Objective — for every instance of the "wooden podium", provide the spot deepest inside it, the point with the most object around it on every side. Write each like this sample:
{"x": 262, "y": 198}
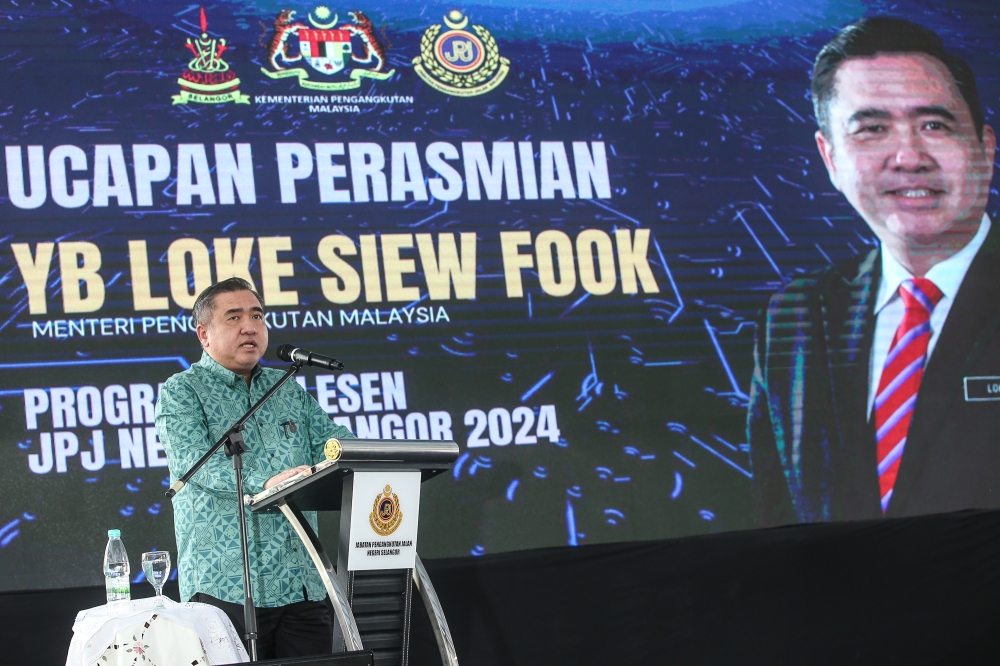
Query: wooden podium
{"x": 371, "y": 586}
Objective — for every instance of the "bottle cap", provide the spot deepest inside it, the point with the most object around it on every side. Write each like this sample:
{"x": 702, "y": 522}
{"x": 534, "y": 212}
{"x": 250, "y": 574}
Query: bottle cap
{"x": 114, "y": 533}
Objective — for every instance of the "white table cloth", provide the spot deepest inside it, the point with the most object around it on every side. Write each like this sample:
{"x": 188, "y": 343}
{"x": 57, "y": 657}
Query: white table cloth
{"x": 187, "y": 634}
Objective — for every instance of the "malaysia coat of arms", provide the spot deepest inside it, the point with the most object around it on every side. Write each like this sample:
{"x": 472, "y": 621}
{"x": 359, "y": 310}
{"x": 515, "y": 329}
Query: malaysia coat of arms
{"x": 208, "y": 79}
{"x": 326, "y": 55}
{"x": 458, "y": 61}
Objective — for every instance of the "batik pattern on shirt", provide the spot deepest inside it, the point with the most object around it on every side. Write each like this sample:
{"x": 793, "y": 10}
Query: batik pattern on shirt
{"x": 194, "y": 409}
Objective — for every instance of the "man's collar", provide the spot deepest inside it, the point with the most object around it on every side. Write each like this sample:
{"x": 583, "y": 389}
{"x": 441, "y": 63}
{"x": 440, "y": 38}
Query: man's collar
{"x": 947, "y": 275}
{"x": 227, "y": 375}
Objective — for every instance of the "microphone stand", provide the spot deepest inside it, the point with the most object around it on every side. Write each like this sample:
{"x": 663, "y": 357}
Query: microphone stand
{"x": 235, "y": 447}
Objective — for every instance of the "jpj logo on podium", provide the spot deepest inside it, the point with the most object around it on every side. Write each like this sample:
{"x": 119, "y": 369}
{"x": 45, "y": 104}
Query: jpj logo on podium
{"x": 385, "y": 516}
{"x": 379, "y": 536}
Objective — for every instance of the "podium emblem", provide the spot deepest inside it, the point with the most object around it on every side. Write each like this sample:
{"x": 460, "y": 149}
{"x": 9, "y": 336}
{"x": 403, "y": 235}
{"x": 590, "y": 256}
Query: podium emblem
{"x": 332, "y": 449}
{"x": 385, "y": 516}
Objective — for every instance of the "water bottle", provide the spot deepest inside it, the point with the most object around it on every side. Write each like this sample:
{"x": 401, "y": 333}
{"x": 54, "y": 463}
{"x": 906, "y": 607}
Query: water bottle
{"x": 116, "y": 571}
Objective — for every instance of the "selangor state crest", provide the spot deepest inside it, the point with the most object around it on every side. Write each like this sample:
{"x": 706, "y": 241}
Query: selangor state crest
{"x": 208, "y": 79}
{"x": 460, "y": 62}
{"x": 325, "y": 55}
{"x": 385, "y": 516}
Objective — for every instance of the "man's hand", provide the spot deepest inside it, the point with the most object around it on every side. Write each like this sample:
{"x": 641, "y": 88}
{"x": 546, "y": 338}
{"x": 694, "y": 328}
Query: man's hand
{"x": 284, "y": 476}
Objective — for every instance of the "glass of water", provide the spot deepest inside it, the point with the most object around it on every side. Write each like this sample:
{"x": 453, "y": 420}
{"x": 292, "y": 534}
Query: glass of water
{"x": 156, "y": 566}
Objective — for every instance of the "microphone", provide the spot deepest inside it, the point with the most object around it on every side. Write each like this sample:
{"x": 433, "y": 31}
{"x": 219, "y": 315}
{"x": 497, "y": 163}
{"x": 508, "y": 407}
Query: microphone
{"x": 294, "y": 354}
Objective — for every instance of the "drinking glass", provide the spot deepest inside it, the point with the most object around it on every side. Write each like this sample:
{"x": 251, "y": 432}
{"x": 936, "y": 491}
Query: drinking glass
{"x": 156, "y": 566}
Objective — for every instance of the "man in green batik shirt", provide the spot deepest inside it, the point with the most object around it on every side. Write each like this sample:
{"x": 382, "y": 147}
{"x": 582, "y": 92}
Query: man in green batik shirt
{"x": 287, "y": 435}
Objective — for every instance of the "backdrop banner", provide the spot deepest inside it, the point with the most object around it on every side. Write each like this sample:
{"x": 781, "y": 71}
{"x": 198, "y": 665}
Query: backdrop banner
{"x": 542, "y": 229}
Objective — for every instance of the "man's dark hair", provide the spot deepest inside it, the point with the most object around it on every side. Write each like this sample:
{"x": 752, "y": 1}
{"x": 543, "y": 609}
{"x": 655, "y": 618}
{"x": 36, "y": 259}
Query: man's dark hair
{"x": 204, "y": 305}
{"x": 882, "y": 34}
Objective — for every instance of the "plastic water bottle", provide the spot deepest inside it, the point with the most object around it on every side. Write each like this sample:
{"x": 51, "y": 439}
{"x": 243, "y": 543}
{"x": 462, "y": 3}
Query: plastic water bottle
{"x": 116, "y": 572}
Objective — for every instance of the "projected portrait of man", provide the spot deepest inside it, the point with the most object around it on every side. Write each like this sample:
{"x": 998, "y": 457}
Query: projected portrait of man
{"x": 875, "y": 382}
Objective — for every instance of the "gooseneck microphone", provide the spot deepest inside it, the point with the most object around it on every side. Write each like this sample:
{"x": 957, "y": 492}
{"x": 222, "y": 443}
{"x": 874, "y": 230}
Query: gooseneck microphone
{"x": 294, "y": 354}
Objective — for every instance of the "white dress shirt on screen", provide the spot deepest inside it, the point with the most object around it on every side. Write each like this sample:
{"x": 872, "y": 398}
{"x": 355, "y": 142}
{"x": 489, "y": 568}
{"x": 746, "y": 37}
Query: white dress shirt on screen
{"x": 946, "y": 275}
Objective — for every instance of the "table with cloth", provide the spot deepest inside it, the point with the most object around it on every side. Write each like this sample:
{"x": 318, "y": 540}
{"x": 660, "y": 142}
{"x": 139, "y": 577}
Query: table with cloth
{"x": 188, "y": 634}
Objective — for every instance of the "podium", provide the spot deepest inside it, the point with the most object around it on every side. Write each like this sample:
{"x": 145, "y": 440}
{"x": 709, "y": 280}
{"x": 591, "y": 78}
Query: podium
{"x": 371, "y": 586}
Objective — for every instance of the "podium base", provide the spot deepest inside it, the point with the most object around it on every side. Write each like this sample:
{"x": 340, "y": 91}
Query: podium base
{"x": 381, "y": 602}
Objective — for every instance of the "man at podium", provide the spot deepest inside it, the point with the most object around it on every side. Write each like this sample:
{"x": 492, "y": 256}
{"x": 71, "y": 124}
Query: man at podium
{"x": 287, "y": 435}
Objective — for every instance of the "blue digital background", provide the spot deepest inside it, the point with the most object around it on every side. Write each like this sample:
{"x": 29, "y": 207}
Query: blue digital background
{"x": 704, "y": 107}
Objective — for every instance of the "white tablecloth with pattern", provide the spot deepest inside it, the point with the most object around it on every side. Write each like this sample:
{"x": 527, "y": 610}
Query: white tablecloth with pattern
{"x": 176, "y": 635}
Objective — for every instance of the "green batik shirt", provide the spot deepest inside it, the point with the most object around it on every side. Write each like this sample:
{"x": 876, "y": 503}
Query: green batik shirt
{"x": 194, "y": 409}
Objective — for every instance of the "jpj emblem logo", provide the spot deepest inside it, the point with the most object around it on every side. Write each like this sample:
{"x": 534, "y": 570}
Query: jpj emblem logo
{"x": 338, "y": 56}
{"x": 460, "y": 62}
{"x": 385, "y": 516}
{"x": 208, "y": 79}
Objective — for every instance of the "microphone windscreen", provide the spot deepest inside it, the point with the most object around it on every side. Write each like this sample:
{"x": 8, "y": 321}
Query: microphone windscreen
{"x": 284, "y": 352}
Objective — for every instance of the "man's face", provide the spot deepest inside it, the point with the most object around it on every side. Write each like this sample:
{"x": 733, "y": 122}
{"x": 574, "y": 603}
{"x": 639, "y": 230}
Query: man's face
{"x": 903, "y": 149}
{"x": 236, "y": 337}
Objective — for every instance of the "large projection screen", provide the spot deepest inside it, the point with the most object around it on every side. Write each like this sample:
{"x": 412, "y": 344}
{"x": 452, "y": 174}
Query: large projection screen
{"x": 545, "y": 230}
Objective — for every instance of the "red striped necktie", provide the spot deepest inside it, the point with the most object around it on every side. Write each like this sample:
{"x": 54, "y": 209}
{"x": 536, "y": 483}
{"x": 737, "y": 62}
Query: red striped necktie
{"x": 900, "y": 382}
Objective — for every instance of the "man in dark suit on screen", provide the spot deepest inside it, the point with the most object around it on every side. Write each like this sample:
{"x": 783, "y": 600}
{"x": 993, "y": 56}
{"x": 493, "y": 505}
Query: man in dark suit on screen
{"x": 876, "y": 382}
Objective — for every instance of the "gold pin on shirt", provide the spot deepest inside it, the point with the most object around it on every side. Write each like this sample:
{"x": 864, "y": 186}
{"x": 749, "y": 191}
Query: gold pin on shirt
{"x": 332, "y": 449}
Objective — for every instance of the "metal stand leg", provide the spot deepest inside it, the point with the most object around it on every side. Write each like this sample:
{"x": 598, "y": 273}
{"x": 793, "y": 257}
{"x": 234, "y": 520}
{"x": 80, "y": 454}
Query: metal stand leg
{"x": 235, "y": 448}
{"x": 352, "y": 637}
{"x": 436, "y": 614}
